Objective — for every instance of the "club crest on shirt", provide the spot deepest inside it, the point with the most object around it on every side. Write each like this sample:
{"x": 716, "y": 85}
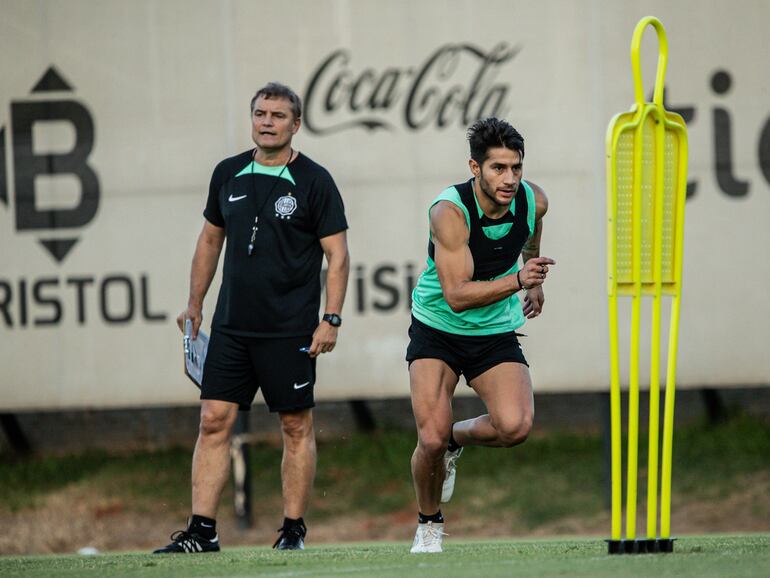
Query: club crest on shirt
{"x": 285, "y": 206}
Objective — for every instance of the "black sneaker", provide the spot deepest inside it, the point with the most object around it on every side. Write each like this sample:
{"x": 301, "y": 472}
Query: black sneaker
{"x": 291, "y": 538}
{"x": 183, "y": 542}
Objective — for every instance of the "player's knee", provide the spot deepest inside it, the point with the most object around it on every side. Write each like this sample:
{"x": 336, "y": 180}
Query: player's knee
{"x": 213, "y": 422}
{"x": 433, "y": 443}
{"x": 296, "y": 425}
{"x": 516, "y": 431}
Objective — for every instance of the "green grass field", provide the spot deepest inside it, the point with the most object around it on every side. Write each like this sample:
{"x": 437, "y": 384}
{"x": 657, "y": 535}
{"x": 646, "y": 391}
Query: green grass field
{"x": 550, "y": 477}
{"x": 551, "y": 486}
{"x": 696, "y": 556}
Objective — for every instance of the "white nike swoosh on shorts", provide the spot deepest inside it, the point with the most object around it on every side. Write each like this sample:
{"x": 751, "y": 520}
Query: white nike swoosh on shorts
{"x": 301, "y": 385}
{"x": 231, "y": 198}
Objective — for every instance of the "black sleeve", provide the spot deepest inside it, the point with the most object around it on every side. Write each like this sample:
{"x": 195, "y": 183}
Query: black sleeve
{"x": 213, "y": 212}
{"x": 328, "y": 208}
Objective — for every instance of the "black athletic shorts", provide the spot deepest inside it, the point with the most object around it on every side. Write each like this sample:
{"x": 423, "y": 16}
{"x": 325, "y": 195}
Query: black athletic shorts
{"x": 236, "y": 367}
{"x": 469, "y": 355}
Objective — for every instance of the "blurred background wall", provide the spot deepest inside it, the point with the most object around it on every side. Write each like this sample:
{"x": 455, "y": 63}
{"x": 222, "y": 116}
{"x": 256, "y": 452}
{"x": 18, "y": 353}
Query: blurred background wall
{"x": 113, "y": 115}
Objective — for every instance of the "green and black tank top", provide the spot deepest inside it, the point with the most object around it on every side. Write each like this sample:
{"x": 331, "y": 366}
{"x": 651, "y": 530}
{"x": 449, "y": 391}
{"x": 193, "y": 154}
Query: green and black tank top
{"x": 495, "y": 245}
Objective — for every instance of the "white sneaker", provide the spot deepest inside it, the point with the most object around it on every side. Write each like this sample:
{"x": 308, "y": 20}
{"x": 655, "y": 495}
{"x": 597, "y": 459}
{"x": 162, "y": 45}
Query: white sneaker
{"x": 428, "y": 538}
{"x": 450, "y": 472}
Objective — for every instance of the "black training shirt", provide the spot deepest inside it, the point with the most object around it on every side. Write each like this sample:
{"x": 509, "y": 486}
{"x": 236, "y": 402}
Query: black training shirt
{"x": 277, "y": 290}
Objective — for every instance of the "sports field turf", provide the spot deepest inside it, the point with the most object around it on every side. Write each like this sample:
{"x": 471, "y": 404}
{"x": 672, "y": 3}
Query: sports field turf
{"x": 695, "y": 556}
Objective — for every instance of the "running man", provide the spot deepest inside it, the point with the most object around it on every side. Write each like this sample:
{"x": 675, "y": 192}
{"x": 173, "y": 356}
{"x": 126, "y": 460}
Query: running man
{"x": 465, "y": 313}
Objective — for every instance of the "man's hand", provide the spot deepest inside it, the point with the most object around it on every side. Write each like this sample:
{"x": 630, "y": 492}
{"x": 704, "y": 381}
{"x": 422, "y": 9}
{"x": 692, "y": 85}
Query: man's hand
{"x": 533, "y": 302}
{"x": 534, "y": 272}
{"x": 195, "y": 315}
{"x": 324, "y": 339}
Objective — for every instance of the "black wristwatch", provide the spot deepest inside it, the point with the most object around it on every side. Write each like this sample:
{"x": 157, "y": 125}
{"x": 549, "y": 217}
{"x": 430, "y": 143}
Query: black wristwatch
{"x": 332, "y": 319}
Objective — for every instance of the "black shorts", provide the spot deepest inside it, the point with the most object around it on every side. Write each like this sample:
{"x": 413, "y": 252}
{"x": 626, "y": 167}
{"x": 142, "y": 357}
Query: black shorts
{"x": 236, "y": 367}
{"x": 469, "y": 355}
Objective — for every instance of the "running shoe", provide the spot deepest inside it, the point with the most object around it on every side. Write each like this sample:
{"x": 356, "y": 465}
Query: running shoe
{"x": 450, "y": 472}
{"x": 184, "y": 542}
{"x": 428, "y": 538}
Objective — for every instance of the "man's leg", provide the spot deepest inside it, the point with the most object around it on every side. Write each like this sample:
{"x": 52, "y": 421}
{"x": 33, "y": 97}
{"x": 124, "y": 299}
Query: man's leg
{"x": 210, "y": 470}
{"x": 297, "y": 475}
{"x": 432, "y": 385}
{"x": 211, "y": 460}
{"x": 506, "y": 390}
{"x": 299, "y": 461}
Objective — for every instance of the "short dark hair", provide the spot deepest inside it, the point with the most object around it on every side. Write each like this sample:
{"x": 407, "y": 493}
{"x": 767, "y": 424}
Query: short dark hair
{"x": 492, "y": 132}
{"x": 278, "y": 90}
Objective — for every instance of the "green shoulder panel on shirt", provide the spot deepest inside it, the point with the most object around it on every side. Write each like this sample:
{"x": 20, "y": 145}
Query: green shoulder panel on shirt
{"x": 531, "y": 208}
{"x": 254, "y": 168}
{"x": 453, "y": 196}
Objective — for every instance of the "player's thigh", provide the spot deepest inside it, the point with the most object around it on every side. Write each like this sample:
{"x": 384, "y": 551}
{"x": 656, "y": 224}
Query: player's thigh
{"x": 506, "y": 390}
{"x": 285, "y": 374}
{"x": 432, "y": 383}
{"x": 228, "y": 374}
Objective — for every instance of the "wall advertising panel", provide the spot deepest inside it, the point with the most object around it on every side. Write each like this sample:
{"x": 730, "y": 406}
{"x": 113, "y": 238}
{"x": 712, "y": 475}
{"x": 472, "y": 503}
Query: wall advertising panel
{"x": 112, "y": 116}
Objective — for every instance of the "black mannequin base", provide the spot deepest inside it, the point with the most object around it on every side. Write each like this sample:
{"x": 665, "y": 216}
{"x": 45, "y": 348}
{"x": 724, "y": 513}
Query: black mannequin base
{"x": 641, "y": 546}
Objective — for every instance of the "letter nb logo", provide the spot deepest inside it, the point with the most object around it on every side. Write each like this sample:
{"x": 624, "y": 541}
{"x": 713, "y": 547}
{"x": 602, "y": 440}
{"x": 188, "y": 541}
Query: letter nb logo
{"x": 31, "y": 164}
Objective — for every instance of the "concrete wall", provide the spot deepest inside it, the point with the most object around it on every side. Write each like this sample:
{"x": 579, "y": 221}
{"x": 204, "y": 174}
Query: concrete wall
{"x": 113, "y": 115}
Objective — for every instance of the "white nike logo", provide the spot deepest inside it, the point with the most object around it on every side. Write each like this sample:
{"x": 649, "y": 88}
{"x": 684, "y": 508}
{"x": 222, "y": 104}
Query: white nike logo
{"x": 301, "y": 385}
{"x": 231, "y": 198}
{"x": 206, "y": 525}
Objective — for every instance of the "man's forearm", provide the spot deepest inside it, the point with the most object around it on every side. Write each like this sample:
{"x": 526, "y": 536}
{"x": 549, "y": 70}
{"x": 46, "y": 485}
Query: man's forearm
{"x": 531, "y": 248}
{"x": 530, "y": 252}
{"x": 204, "y": 266}
{"x": 473, "y": 294}
{"x": 337, "y": 282}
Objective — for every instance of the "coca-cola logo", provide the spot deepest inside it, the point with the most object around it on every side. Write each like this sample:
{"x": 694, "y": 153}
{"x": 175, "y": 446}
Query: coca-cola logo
{"x": 455, "y": 86}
